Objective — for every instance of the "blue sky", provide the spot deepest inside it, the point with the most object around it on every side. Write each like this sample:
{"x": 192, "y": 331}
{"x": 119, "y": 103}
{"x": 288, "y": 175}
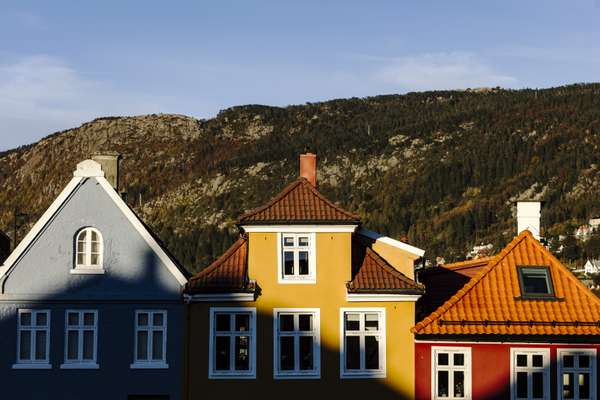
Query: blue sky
{"x": 66, "y": 62}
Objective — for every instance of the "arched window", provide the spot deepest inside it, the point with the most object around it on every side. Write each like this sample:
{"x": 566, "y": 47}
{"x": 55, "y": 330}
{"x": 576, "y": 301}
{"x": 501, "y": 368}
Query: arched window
{"x": 89, "y": 249}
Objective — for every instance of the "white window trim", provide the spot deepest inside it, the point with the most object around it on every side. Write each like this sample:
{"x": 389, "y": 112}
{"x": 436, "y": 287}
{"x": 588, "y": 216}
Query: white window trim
{"x": 150, "y": 363}
{"x": 33, "y": 364}
{"x": 450, "y": 349}
{"x": 314, "y": 374}
{"x": 80, "y": 363}
{"x": 251, "y": 373}
{"x": 513, "y": 372}
{"x": 381, "y": 373}
{"x": 87, "y": 267}
{"x": 311, "y": 278}
{"x": 559, "y": 371}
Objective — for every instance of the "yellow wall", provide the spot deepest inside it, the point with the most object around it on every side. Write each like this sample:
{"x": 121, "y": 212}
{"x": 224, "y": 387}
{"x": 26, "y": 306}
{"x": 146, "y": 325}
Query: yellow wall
{"x": 329, "y": 294}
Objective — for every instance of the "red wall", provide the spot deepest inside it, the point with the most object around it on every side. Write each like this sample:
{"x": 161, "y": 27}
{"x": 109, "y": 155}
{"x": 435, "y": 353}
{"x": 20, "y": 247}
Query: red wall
{"x": 490, "y": 367}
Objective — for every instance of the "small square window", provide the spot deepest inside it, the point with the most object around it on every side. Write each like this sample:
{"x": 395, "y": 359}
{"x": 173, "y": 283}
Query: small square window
{"x": 535, "y": 282}
{"x": 296, "y": 259}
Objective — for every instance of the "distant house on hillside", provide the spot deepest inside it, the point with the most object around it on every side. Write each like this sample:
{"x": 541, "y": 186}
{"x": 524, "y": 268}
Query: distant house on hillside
{"x": 482, "y": 250}
{"x": 592, "y": 267}
{"x": 583, "y": 232}
{"x": 4, "y": 246}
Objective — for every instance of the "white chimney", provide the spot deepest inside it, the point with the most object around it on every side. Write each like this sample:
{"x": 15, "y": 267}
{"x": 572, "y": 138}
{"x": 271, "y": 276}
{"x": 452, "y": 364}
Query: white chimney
{"x": 528, "y": 217}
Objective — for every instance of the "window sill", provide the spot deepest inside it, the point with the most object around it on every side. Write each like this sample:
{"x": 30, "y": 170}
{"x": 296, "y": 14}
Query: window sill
{"x": 297, "y": 281}
{"x": 312, "y": 375}
{"x": 31, "y": 366}
{"x": 85, "y": 271}
{"x": 216, "y": 375}
{"x": 74, "y": 365}
{"x": 363, "y": 375}
{"x": 149, "y": 365}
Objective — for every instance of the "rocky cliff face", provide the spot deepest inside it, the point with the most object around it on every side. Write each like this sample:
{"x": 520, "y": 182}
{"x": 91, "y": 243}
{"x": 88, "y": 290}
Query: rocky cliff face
{"x": 440, "y": 168}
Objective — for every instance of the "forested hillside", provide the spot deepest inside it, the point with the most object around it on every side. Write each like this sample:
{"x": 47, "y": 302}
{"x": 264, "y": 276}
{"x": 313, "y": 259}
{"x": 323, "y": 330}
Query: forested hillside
{"x": 440, "y": 168}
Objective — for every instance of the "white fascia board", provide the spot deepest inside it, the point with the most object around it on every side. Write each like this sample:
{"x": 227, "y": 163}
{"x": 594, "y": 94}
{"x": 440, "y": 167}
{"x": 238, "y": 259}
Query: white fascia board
{"x": 217, "y": 297}
{"x": 299, "y": 228}
{"x": 353, "y": 297}
{"x": 39, "y": 225}
{"x": 158, "y": 250}
{"x": 392, "y": 242}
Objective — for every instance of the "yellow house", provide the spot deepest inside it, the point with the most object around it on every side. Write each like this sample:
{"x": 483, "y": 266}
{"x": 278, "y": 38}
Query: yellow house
{"x": 306, "y": 299}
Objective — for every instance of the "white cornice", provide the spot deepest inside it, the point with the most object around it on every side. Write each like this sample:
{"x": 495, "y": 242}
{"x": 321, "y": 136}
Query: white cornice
{"x": 299, "y": 228}
{"x": 353, "y": 297}
{"x": 218, "y": 297}
{"x": 392, "y": 242}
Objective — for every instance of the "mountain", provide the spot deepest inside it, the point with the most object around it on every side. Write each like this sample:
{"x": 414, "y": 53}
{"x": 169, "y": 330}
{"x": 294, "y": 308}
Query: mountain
{"x": 441, "y": 169}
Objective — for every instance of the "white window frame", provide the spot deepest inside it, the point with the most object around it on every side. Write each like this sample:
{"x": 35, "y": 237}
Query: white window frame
{"x": 32, "y": 363}
{"x": 87, "y": 267}
{"x": 450, "y": 350}
{"x": 560, "y": 369}
{"x": 297, "y": 373}
{"x": 80, "y": 328}
{"x": 311, "y": 278}
{"x": 150, "y": 363}
{"x": 363, "y": 373}
{"x": 545, "y": 352}
{"x": 251, "y": 372}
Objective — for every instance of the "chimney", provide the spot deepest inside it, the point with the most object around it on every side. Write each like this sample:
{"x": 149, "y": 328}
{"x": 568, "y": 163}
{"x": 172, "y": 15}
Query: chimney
{"x": 308, "y": 167}
{"x": 110, "y": 165}
{"x": 528, "y": 217}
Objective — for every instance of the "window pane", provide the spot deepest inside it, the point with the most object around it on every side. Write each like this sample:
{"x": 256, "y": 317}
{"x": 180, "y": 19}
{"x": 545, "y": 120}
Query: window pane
{"x": 157, "y": 319}
{"x": 303, "y": 241}
{"x": 371, "y": 322}
{"x": 584, "y": 386}
{"x": 25, "y": 319}
{"x": 352, "y": 352}
{"x": 305, "y": 322}
{"x": 94, "y": 259}
{"x": 80, "y": 259}
{"x": 442, "y": 359}
{"x": 288, "y": 241}
{"x": 142, "y": 319}
{"x": 303, "y": 262}
{"x": 584, "y": 361}
{"x": 521, "y": 360}
{"x": 306, "y": 353}
{"x": 25, "y": 345}
{"x": 352, "y": 322}
{"x": 537, "y": 383}
{"x": 459, "y": 384}
{"x": 242, "y": 353}
{"x": 95, "y": 246}
{"x": 286, "y": 353}
{"x": 568, "y": 361}
{"x": 535, "y": 280}
{"x": 371, "y": 352}
{"x": 537, "y": 360}
{"x": 567, "y": 381}
{"x": 459, "y": 359}
{"x": 88, "y": 319}
{"x": 157, "y": 345}
{"x": 286, "y": 322}
{"x": 94, "y": 236}
{"x": 142, "y": 345}
{"x": 442, "y": 381}
{"x": 288, "y": 263}
{"x": 40, "y": 345}
{"x": 73, "y": 318}
{"x": 223, "y": 322}
{"x": 222, "y": 353}
{"x": 72, "y": 345}
{"x": 88, "y": 345}
{"x": 522, "y": 385}
{"x": 242, "y": 322}
{"x": 41, "y": 319}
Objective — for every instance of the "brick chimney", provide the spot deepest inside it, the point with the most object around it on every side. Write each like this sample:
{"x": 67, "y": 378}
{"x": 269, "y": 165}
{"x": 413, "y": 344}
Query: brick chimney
{"x": 308, "y": 167}
{"x": 528, "y": 217}
{"x": 110, "y": 165}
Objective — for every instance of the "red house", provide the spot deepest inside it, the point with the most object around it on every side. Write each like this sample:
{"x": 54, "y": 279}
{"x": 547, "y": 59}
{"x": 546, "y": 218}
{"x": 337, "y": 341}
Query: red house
{"x": 518, "y": 325}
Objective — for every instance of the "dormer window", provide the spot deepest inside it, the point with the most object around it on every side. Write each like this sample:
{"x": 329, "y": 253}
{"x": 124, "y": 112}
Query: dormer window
{"x": 89, "y": 248}
{"x": 297, "y": 258}
{"x": 535, "y": 282}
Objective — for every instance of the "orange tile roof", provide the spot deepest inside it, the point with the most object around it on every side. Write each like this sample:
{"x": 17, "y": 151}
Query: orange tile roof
{"x": 229, "y": 273}
{"x": 491, "y": 304}
{"x": 372, "y": 274}
{"x": 299, "y": 203}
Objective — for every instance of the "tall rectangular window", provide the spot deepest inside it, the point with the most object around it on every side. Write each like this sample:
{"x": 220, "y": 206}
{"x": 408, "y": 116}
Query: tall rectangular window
{"x": 296, "y": 343}
{"x": 576, "y": 373}
{"x": 530, "y": 373}
{"x": 297, "y": 258}
{"x": 150, "y": 339}
{"x": 232, "y": 342}
{"x": 362, "y": 343}
{"x": 33, "y": 338}
{"x": 451, "y": 373}
{"x": 81, "y": 337}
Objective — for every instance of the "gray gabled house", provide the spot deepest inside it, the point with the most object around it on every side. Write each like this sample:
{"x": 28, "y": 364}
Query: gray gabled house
{"x": 90, "y": 302}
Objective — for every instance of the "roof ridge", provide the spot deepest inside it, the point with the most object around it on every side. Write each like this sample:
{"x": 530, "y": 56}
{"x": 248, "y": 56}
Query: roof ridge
{"x": 326, "y": 200}
{"x": 466, "y": 263}
{"x": 219, "y": 261}
{"x": 272, "y": 201}
{"x": 462, "y": 292}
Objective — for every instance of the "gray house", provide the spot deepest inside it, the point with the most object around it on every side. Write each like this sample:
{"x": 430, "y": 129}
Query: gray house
{"x": 90, "y": 302}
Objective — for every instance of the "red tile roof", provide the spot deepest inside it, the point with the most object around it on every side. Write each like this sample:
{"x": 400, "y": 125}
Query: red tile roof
{"x": 491, "y": 302}
{"x": 229, "y": 273}
{"x": 299, "y": 203}
{"x": 372, "y": 274}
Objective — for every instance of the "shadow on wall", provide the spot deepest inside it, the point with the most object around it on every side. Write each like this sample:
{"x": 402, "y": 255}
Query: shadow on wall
{"x": 115, "y": 297}
{"x": 441, "y": 286}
